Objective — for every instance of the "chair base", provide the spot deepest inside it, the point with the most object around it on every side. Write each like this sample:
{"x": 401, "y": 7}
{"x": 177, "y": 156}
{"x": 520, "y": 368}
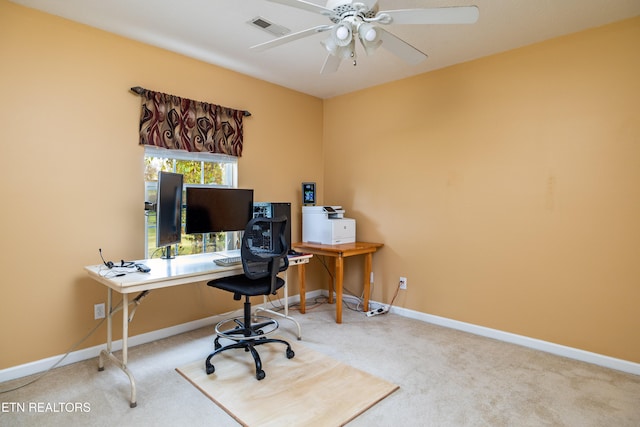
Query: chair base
{"x": 248, "y": 345}
{"x": 246, "y": 335}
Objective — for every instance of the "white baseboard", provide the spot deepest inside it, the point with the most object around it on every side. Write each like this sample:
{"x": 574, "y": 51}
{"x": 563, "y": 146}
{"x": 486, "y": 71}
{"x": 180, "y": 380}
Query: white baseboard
{"x": 560, "y": 350}
{"x": 536, "y": 344}
{"x": 548, "y": 347}
{"x": 43, "y": 365}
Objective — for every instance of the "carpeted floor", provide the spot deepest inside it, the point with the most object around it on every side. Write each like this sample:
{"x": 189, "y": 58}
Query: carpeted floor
{"x": 446, "y": 378}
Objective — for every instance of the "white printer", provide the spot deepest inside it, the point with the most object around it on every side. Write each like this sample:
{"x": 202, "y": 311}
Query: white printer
{"x": 327, "y": 225}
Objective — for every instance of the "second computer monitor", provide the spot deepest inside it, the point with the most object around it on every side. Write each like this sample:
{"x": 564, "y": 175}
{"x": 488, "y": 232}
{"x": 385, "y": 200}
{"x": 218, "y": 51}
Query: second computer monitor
{"x": 212, "y": 210}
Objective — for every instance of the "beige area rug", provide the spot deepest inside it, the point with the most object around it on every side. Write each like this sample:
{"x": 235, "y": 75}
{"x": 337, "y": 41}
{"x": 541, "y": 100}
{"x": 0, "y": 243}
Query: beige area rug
{"x": 309, "y": 390}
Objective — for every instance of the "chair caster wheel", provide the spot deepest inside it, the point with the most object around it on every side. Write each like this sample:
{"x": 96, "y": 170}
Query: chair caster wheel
{"x": 260, "y": 375}
{"x": 290, "y": 353}
{"x": 210, "y": 369}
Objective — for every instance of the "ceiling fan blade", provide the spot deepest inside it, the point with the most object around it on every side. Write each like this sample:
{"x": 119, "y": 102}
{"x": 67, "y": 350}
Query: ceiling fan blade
{"x": 331, "y": 64}
{"x": 401, "y": 48}
{"x": 305, "y": 5}
{"x": 290, "y": 37}
{"x": 437, "y": 15}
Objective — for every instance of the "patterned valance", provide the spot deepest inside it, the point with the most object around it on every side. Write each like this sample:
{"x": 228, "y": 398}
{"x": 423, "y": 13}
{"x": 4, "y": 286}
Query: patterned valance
{"x": 176, "y": 123}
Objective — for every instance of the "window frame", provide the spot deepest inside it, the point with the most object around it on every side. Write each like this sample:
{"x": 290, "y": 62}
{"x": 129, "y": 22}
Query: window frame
{"x": 229, "y": 165}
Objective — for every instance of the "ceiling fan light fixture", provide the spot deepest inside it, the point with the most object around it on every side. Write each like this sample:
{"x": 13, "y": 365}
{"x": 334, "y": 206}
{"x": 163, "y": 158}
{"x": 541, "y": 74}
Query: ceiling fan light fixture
{"x": 343, "y": 52}
{"x": 368, "y": 32}
{"x": 341, "y": 35}
{"x": 347, "y": 52}
{"x": 329, "y": 45}
{"x": 369, "y": 37}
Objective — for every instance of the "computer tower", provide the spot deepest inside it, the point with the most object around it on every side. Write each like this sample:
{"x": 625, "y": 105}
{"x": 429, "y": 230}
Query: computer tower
{"x": 274, "y": 210}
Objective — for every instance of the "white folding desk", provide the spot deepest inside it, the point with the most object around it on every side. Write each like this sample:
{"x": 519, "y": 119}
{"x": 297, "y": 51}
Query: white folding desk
{"x": 164, "y": 273}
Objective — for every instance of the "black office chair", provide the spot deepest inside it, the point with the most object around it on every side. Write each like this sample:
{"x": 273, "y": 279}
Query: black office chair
{"x": 264, "y": 255}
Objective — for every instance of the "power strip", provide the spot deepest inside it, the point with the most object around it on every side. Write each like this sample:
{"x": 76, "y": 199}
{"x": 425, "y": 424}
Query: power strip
{"x": 382, "y": 310}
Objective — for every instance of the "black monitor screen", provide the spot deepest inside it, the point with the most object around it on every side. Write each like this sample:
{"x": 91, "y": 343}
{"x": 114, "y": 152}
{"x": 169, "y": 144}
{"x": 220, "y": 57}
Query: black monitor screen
{"x": 169, "y": 209}
{"x": 211, "y": 210}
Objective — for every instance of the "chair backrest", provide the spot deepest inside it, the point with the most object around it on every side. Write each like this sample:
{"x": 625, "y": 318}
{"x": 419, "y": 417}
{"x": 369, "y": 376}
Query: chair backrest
{"x": 264, "y": 249}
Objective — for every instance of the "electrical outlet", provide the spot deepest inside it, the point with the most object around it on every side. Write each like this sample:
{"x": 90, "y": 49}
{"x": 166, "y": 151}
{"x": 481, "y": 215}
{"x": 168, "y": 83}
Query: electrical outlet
{"x": 403, "y": 283}
{"x": 98, "y": 311}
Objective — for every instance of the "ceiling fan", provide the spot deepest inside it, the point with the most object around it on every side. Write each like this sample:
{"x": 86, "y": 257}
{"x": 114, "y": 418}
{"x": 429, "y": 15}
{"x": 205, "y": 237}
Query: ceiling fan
{"x": 361, "y": 19}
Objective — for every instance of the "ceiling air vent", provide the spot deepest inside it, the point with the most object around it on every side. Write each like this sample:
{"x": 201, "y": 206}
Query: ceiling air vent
{"x": 269, "y": 27}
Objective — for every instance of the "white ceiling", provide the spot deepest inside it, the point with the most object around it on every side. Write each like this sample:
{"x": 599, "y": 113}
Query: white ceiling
{"x": 216, "y": 31}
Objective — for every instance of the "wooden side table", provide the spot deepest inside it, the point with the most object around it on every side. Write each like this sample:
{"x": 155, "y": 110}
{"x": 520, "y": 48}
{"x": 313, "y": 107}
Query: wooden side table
{"x": 338, "y": 253}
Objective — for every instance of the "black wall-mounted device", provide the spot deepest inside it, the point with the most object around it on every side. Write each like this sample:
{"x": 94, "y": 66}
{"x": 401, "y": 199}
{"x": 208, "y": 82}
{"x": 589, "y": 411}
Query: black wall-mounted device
{"x": 308, "y": 193}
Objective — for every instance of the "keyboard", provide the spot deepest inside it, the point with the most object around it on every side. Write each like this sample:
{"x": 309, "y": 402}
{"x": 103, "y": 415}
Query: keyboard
{"x": 229, "y": 261}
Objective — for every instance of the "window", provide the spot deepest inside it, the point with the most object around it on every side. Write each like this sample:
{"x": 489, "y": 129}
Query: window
{"x": 198, "y": 169}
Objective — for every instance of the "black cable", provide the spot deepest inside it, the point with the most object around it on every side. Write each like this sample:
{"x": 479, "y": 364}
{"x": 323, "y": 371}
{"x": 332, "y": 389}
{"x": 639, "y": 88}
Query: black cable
{"x": 394, "y": 296}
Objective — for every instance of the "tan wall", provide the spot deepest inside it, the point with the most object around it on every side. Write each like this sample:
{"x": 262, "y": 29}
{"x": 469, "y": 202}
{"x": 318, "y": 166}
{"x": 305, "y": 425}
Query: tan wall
{"x": 507, "y": 189}
{"x": 71, "y": 175}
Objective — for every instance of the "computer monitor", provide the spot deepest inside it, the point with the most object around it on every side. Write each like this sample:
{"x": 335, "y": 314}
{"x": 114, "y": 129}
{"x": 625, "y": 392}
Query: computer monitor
{"x": 212, "y": 210}
{"x": 169, "y": 211}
